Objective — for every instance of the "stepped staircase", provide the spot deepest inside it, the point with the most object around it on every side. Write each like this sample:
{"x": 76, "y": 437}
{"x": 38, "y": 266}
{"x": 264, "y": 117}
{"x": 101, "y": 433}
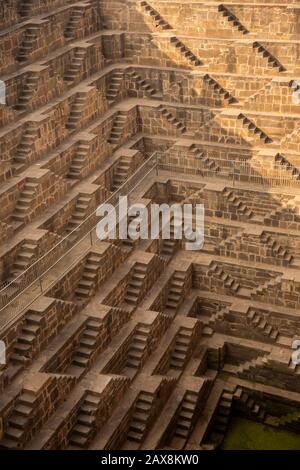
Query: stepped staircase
{"x": 114, "y": 87}
{"x": 117, "y": 128}
{"x": 229, "y": 282}
{"x": 144, "y": 84}
{"x": 135, "y": 284}
{"x": 141, "y": 416}
{"x": 79, "y": 161}
{"x": 175, "y": 292}
{"x": 208, "y": 162}
{"x": 22, "y": 350}
{"x": 19, "y": 421}
{"x": 267, "y": 285}
{"x": 216, "y": 87}
{"x": 85, "y": 427}
{"x": 171, "y": 119}
{"x": 221, "y": 418}
{"x": 28, "y": 91}
{"x": 88, "y": 341}
{"x": 87, "y": 284}
{"x": 25, "y": 149}
{"x": 24, "y": 203}
{"x": 292, "y": 169}
{"x": 272, "y": 61}
{"x": 28, "y": 44}
{"x": 24, "y": 258}
{"x": 74, "y": 24}
{"x": 80, "y": 213}
{"x": 232, "y": 19}
{"x": 184, "y": 422}
{"x": 254, "y": 129}
{"x": 257, "y": 321}
{"x": 170, "y": 245}
{"x": 160, "y": 23}
{"x": 239, "y": 205}
{"x": 291, "y": 140}
{"x": 277, "y": 249}
{"x": 121, "y": 173}
{"x": 181, "y": 349}
{"x": 76, "y": 112}
{"x": 249, "y": 366}
{"x": 25, "y": 8}
{"x": 255, "y": 409}
{"x": 76, "y": 65}
{"x": 290, "y": 420}
{"x": 185, "y": 52}
{"x": 137, "y": 348}
{"x": 210, "y": 322}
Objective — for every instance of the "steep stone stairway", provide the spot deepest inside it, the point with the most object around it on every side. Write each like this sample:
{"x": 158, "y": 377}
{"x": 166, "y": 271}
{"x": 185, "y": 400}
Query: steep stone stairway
{"x": 80, "y": 213}
{"x": 141, "y": 416}
{"x": 29, "y": 88}
{"x": 85, "y": 427}
{"x": 137, "y": 348}
{"x": 160, "y": 23}
{"x": 216, "y": 87}
{"x": 221, "y": 418}
{"x": 135, "y": 284}
{"x": 26, "y": 339}
{"x": 25, "y": 149}
{"x": 76, "y": 112}
{"x": 19, "y": 421}
{"x": 258, "y": 322}
{"x": 185, "y": 52}
{"x": 229, "y": 282}
{"x": 200, "y": 156}
{"x": 78, "y": 161}
{"x": 117, "y": 129}
{"x": 171, "y": 118}
{"x": 28, "y": 44}
{"x": 114, "y": 88}
{"x": 292, "y": 169}
{"x": 277, "y": 249}
{"x": 73, "y": 24}
{"x": 121, "y": 173}
{"x": 26, "y": 255}
{"x": 88, "y": 343}
{"x": 184, "y": 420}
{"x": 75, "y": 66}
{"x": 88, "y": 280}
{"x": 25, "y": 201}
{"x": 272, "y": 61}
{"x": 232, "y": 19}
{"x": 253, "y": 129}
{"x": 181, "y": 349}
{"x": 238, "y": 204}
{"x": 144, "y": 84}
{"x": 175, "y": 292}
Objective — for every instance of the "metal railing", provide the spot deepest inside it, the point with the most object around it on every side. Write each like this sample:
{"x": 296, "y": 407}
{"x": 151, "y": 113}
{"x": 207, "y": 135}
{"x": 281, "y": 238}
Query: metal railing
{"x": 22, "y": 291}
{"x": 242, "y": 171}
{"x": 13, "y": 295}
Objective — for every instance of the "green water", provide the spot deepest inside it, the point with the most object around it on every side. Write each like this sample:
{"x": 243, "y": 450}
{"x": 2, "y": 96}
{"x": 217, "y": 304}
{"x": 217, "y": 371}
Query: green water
{"x": 244, "y": 434}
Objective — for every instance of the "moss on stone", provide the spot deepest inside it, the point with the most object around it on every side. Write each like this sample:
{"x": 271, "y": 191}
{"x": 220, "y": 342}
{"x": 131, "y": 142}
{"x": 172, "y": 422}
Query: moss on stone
{"x": 244, "y": 434}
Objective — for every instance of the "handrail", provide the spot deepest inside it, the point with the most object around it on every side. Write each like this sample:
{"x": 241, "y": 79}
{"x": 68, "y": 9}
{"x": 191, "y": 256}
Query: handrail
{"x": 84, "y": 227}
{"x": 35, "y": 273}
